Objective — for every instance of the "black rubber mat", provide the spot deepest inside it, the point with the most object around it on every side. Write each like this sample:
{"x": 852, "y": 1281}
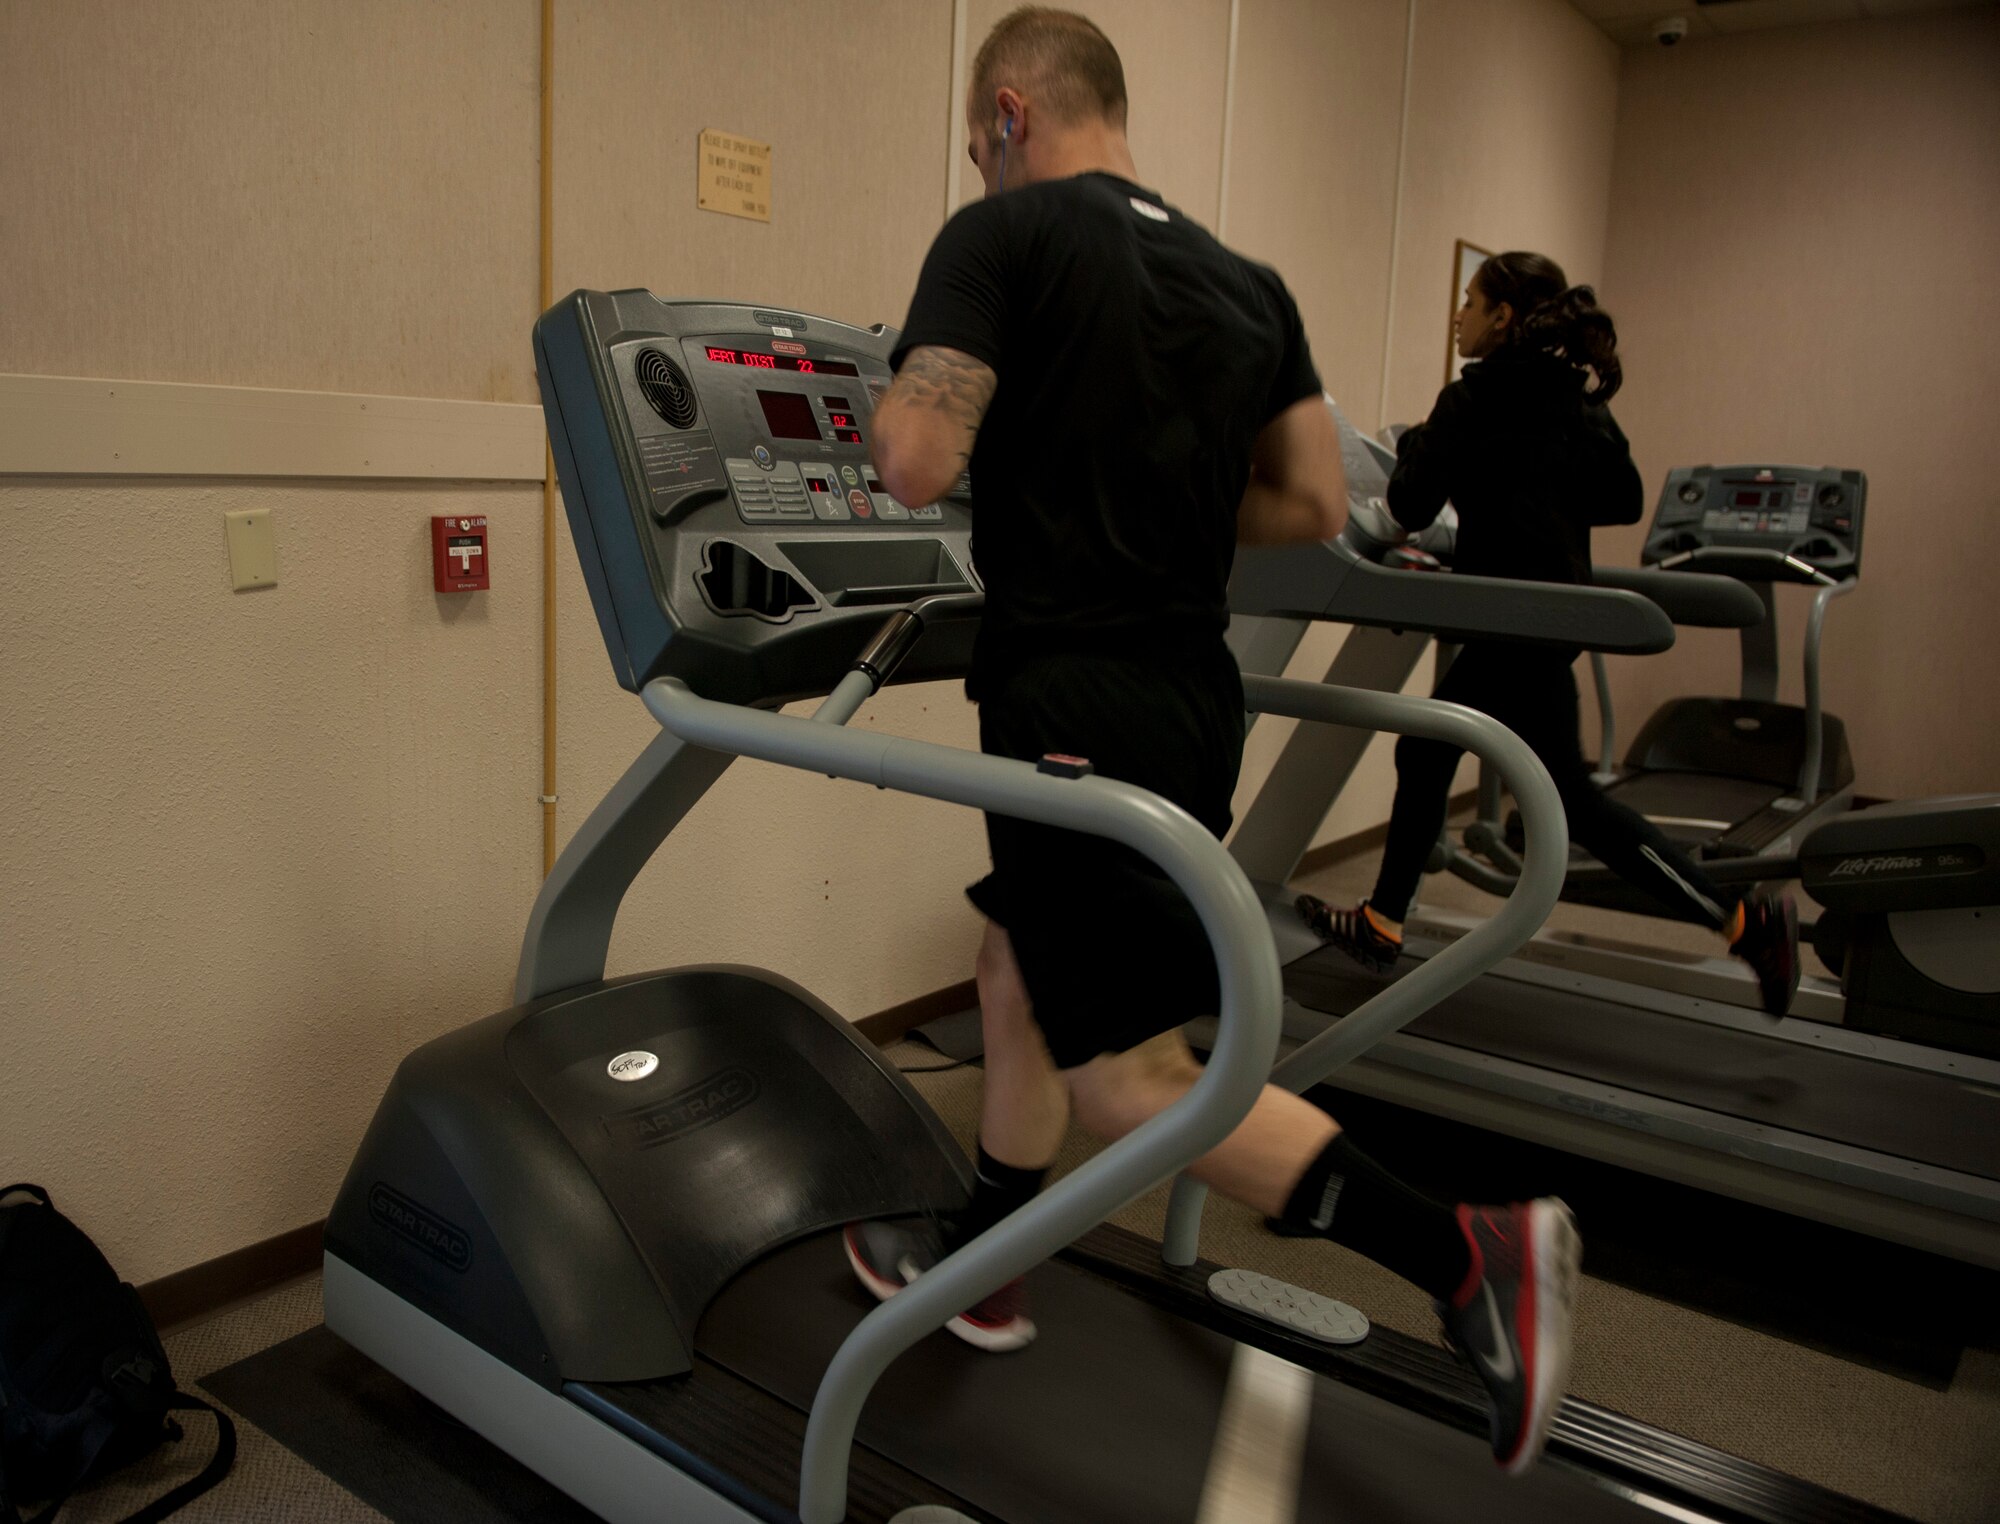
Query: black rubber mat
{"x": 402, "y": 1455}
{"x": 956, "y": 1036}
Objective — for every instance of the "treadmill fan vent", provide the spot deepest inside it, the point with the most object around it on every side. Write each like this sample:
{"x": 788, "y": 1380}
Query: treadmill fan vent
{"x": 666, "y": 389}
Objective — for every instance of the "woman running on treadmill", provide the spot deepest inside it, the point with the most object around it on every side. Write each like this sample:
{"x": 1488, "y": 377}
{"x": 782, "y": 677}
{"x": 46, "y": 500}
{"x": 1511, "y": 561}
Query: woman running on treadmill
{"x": 1134, "y": 400}
{"x": 1525, "y": 448}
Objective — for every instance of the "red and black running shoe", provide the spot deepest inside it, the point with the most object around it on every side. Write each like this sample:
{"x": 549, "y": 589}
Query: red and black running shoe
{"x": 887, "y": 1256}
{"x": 1770, "y": 945}
{"x": 1356, "y": 932}
{"x": 1511, "y": 1321}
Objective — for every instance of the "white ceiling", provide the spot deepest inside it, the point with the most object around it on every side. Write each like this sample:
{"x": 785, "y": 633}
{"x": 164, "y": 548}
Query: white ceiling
{"x": 1632, "y": 21}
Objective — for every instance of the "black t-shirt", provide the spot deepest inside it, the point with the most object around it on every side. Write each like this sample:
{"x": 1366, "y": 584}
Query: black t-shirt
{"x": 1529, "y": 462}
{"x": 1137, "y": 360}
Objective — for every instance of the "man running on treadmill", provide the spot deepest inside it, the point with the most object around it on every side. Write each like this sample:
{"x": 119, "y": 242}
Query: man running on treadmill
{"x": 1134, "y": 401}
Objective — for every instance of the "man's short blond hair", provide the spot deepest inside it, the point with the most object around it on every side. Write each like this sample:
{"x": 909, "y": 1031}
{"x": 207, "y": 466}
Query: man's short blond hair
{"x": 1057, "y": 57}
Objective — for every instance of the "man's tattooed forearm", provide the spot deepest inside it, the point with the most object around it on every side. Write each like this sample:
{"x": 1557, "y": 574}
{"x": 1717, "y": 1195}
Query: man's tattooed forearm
{"x": 947, "y": 381}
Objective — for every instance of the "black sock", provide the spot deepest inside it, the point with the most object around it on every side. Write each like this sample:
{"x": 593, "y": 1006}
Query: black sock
{"x": 998, "y": 1191}
{"x": 1346, "y": 1196}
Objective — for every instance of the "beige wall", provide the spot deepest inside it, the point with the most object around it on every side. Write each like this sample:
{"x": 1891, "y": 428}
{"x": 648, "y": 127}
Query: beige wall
{"x": 1176, "y": 68}
{"x": 1801, "y": 265}
{"x": 1513, "y": 105}
{"x": 257, "y": 844}
{"x": 855, "y": 893}
{"x": 1511, "y": 110}
{"x": 331, "y": 197}
{"x": 261, "y": 844}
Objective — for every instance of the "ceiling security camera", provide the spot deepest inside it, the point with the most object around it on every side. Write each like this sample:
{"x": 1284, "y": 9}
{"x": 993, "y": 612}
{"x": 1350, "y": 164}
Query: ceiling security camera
{"x": 1669, "y": 30}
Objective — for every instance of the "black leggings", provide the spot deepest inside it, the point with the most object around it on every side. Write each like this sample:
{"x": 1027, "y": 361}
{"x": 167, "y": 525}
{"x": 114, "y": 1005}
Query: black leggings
{"x": 1532, "y": 692}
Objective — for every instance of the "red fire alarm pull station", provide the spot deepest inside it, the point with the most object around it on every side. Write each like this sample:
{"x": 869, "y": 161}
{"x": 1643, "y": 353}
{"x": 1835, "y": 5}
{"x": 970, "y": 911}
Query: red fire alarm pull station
{"x": 461, "y": 560}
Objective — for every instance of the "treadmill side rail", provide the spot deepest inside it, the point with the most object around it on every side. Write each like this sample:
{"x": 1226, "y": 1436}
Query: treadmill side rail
{"x": 1399, "y": 1003}
{"x": 1247, "y": 965}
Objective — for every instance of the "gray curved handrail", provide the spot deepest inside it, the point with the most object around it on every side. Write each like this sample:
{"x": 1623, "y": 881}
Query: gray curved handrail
{"x": 1705, "y": 599}
{"x": 1607, "y": 721}
{"x": 1815, "y": 715}
{"x": 1801, "y": 570}
{"x": 1246, "y": 960}
{"x": 1396, "y": 1005}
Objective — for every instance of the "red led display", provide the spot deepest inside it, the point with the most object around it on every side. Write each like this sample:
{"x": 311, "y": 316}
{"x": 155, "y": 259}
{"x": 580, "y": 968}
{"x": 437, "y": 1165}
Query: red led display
{"x": 760, "y": 361}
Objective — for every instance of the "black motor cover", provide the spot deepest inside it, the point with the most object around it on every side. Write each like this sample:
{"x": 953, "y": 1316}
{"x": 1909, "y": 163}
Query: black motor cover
{"x": 576, "y": 1224}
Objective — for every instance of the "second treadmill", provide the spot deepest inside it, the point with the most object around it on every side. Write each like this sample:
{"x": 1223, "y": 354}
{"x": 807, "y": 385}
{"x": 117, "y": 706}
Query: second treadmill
{"x": 1680, "y": 1076}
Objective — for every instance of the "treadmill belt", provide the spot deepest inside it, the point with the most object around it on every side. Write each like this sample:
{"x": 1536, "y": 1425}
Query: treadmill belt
{"x": 1907, "y": 1113}
{"x": 1110, "y": 1416}
{"x": 1688, "y": 797}
{"x": 1113, "y": 1423}
{"x": 1368, "y": 1461}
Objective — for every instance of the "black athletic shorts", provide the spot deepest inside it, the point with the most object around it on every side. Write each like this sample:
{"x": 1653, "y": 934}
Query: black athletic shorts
{"x": 1112, "y": 951}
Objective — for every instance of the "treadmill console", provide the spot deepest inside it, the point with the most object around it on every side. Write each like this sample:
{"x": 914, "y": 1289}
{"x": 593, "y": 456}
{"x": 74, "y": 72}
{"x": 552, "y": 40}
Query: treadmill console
{"x": 1760, "y": 523}
{"x": 715, "y": 467}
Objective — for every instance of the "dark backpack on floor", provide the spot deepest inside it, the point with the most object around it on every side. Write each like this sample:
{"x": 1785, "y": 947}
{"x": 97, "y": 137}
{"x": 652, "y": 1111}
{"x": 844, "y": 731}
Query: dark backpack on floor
{"x": 84, "y": 1384}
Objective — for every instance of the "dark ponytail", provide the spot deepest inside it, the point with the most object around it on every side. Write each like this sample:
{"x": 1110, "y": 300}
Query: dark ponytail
{"x": 1553, "y": 316}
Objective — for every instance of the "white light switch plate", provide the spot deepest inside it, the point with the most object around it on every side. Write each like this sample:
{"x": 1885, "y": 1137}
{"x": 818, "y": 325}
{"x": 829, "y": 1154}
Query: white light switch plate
{"x": 253, "y": 548}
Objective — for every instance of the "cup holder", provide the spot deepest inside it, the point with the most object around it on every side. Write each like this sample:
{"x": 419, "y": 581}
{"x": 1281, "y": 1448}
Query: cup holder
{"x": 736, "y": 582}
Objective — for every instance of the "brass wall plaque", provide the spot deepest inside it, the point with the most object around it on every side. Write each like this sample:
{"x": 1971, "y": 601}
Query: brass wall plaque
{"x": 734, "y": 176}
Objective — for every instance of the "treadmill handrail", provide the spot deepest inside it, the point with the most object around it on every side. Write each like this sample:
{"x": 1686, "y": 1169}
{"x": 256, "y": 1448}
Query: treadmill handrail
{"x": 1809, "y": 765}
{"x": 1779, "y": 560}
{"x": 1247, "y": 963}
{"x": 1545, "y": 862}
{"x": 1700, "y": 600}
{"x": 1297, "y": 582}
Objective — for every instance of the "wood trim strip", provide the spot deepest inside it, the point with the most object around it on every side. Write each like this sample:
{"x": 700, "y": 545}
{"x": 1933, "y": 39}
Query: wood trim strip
{"x": 75, "y": 426}
{"x": 892, "y": 1025}
{"x": 186, "y": 1295}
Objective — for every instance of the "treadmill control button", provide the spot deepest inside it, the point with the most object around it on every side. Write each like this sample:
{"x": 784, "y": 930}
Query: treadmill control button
{"x": 858, "y": 501}
{"x": 763, "y": 457}
{"x": 1061, "y": 765}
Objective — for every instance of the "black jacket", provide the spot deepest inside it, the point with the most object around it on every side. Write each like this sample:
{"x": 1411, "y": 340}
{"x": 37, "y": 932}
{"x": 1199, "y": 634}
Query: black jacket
{"x": 1529, "y": 463}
